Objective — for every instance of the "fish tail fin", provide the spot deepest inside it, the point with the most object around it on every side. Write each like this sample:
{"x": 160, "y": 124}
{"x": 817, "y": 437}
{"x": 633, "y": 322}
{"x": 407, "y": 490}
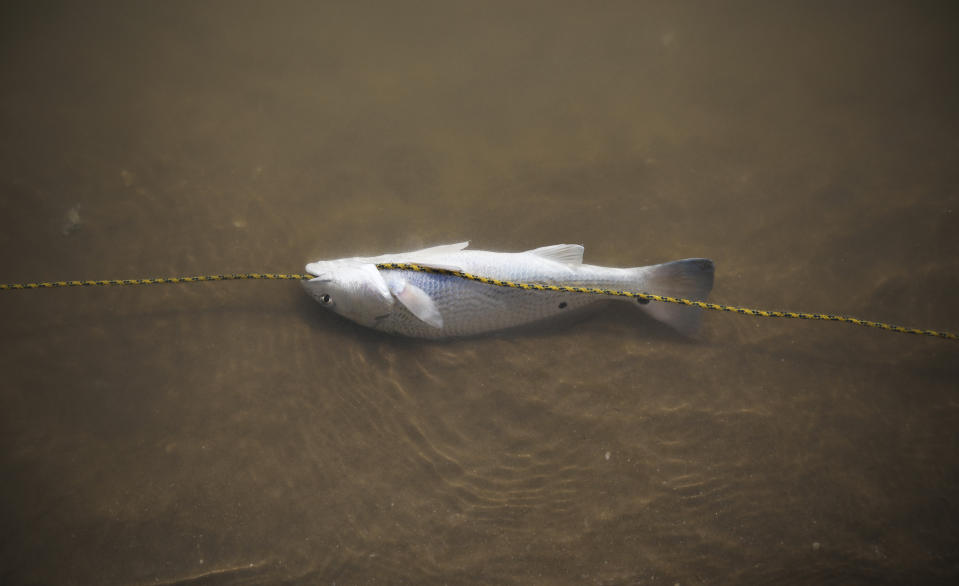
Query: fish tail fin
{"x": 691, "y": 278}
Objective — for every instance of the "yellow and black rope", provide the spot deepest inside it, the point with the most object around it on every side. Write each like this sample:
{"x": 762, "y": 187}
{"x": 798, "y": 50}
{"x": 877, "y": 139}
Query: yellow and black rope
{"x": 153, "y": 281}
{"x": 667, "y": 299}
{"x": 646, "y": 297}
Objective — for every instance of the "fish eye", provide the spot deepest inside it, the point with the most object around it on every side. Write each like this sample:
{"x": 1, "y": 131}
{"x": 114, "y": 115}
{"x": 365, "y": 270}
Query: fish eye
{"x": 325, "y": 299}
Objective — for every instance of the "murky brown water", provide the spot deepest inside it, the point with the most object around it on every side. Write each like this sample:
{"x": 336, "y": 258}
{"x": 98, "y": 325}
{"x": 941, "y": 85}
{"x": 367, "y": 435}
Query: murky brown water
{"x": 237, "y": 433}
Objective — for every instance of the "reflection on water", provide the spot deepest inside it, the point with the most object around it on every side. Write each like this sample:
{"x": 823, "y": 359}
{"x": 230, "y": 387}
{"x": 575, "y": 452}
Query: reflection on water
{"x": 237, "y": 433}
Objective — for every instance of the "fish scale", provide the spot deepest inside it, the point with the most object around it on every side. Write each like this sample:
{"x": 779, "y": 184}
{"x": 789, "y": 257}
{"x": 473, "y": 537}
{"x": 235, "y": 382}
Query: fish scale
{"x": 433, "y": 305}
{"x": 470, "y": 307}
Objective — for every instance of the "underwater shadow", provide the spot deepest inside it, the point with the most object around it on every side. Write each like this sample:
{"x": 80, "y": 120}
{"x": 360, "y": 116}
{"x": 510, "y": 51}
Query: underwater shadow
{"x": 595, "y": 320}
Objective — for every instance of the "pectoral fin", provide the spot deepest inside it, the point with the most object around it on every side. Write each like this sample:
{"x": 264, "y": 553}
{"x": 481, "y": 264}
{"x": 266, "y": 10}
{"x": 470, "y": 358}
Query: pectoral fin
{"x": 376, "y": 281}
{"x": 417, "y": 302}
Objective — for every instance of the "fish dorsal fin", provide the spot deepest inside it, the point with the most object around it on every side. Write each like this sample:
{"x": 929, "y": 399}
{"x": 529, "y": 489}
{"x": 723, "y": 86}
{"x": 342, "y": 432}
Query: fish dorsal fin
{"x": 435, "y": 256}
{"x": 441, "y": 249}
{"x": 438, "y": 265}
{"x": 417, "y": 301}
{"x": 570, "y": 254}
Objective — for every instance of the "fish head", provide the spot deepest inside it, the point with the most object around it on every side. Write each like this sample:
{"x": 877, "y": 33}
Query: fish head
{"x": 351, "y": 288}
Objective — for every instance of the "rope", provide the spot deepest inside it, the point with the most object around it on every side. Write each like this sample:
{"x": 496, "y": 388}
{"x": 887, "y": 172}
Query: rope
{"x": 642, "y": 297}
{"x": 155, "y": 281}
{"x": 646, "y": 297}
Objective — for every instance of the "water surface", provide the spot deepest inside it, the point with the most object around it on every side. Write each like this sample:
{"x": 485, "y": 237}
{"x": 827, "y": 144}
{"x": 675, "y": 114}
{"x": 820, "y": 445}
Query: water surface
{"x": 236, "y": 433}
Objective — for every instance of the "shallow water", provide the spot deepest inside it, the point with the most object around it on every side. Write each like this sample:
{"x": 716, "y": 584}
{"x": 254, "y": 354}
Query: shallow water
{"x": 236, "y": 433}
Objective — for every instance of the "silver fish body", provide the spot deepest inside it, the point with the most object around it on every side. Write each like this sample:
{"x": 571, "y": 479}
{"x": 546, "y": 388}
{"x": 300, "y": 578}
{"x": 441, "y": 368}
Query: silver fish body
{"x": 431, "y": 305}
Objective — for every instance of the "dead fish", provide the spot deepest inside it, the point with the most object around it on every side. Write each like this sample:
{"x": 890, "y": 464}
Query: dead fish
{"x": 431, "y": 305}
